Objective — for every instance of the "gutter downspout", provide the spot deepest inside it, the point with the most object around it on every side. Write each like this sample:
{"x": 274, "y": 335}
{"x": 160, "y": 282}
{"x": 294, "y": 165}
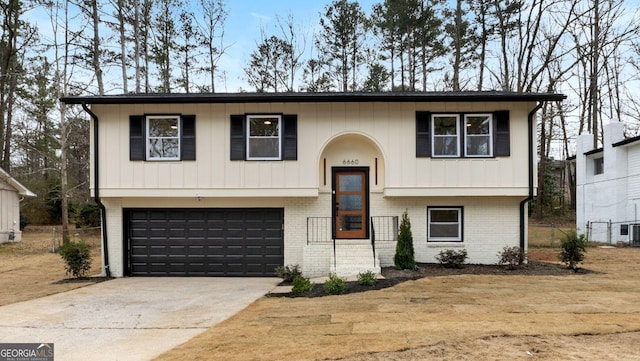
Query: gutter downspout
{"x": 523, "y": 203}
{"x": 96, "y": 191}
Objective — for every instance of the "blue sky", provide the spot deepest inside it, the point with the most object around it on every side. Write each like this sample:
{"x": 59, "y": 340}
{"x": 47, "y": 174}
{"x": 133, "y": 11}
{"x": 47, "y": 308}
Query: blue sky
{"x": 248, "y": 17}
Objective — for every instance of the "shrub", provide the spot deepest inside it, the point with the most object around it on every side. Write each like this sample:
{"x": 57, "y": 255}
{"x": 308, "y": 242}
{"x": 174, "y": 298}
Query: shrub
{"x": 511, "y": 256}
{"x": 301, "y": 285}
{"x": 404, "y": 257}
{"x": 367, "y": 278}
{"x": 451, "y": 258}
{"x": 573, "y": 249}
{"x": 288, "y": 273}
{"x": 335, "y": 285}
{"x": 77, "y": 256}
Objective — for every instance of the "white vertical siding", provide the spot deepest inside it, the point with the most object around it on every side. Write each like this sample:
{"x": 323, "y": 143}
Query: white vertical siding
{"x": 634, "y": 172}
{"x": 390, "y": 126}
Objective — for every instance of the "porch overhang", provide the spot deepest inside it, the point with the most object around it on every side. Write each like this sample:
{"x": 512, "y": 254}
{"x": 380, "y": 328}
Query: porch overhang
{"x": 455, "y": 192}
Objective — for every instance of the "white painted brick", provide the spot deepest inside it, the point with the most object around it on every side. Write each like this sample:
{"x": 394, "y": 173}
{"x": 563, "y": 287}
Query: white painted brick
{"x": 490, "y": 223}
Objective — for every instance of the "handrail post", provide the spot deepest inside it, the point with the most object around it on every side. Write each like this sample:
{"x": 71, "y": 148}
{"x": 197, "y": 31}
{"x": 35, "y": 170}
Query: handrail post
{"x": 335, "y": 264}
{"x": 373, "y": 242}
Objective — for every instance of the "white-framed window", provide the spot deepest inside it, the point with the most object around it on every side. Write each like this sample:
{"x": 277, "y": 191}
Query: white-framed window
{"x": 478, "y": 132}
{"x": 163, "y": 137}
{"x": 264, "y": 137}
{"x": 444, "y": 224}
{"x": 446, "y": 135}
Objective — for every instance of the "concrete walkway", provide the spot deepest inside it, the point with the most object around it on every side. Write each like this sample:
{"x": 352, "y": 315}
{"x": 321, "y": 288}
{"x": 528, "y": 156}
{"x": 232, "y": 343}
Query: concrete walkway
{"x": 128, "y": 318}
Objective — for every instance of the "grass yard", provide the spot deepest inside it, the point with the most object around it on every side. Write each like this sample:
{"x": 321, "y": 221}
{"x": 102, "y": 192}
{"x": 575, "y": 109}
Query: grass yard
{"x": 29, "y": 269}
{"x": 590, "y": 315}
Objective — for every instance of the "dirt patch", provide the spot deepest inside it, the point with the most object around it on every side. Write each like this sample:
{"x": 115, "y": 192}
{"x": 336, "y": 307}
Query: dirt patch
{"x": 620, "y": 347}
{"x": 499, "y": 315}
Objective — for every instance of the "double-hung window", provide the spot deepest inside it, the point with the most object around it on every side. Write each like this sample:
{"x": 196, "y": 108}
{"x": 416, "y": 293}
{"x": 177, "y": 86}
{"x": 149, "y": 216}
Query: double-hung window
{"x": 163, "y": 137}
{"x": 478, "y": 131}
{"x": 463, "y": 135}
{"x": 444, "y": 224}
{"x": 446, "y": 135}
{"x": 264, "y": 137}
{"x": 259, "y": 137}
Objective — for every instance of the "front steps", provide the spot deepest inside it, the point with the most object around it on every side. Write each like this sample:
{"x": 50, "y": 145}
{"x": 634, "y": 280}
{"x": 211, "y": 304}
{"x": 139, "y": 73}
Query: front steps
{"x": 354, "y": 257}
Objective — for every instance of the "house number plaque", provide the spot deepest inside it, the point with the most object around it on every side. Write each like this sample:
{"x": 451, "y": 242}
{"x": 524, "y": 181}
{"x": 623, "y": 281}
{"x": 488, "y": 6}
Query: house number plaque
{"x": 350, "y": 162}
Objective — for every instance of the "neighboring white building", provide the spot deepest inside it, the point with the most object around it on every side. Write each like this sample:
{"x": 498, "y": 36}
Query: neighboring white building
{"x": 237, "y": 184}
{"x": 608, "y": 187}
{"x": 11, "y": 193}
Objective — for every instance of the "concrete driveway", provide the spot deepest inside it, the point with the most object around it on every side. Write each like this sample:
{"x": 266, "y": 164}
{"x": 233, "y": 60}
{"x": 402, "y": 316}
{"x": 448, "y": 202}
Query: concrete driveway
{"x": 128, "y": 318}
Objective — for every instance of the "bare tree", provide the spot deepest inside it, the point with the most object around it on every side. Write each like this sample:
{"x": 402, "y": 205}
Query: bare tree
{"x": 214, "y": 15}
{"x": 290, "y": 34}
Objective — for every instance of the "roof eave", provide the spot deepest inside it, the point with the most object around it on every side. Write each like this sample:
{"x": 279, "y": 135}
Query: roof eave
{"x": 628, "y": 141}
{"x": 313, "y": 97}
{"x": 22, "y": 190}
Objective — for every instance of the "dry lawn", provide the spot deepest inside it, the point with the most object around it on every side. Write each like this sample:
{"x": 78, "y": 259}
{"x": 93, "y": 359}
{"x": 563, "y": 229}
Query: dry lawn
{"x": 584, "y": 316}
{"x": 29, "y": 269}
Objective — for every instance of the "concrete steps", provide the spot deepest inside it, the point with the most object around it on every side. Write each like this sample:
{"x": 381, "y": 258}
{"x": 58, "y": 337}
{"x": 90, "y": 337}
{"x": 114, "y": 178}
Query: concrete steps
{"x": 354, "y": 257}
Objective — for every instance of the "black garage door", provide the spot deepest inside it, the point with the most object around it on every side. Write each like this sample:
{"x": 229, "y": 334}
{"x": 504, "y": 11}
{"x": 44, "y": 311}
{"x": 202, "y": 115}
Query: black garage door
{"x": 204, "y": 242}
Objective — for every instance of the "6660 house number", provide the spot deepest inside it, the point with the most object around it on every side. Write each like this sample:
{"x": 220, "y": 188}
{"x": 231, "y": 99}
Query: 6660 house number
{"x": 350, "y": 162}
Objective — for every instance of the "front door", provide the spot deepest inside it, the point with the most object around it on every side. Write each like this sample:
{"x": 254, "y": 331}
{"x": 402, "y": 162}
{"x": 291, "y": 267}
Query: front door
{"x": 351, "y": 209}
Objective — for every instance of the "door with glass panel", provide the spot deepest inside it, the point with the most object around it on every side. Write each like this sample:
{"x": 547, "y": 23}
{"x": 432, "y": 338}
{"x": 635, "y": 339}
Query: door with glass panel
{"x": 351, "y": 209}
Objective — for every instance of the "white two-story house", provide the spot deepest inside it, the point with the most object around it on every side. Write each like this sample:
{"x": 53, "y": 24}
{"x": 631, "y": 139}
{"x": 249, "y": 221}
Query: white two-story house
{"x": 238, "y": 184}
{"x": 608, "y": 187}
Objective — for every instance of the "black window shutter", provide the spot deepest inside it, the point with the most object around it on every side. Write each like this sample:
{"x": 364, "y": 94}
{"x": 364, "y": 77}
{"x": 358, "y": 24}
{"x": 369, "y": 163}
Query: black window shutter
{"x": 136, "y": 137}
{"x": 188, "y": 139}
{"x": 238, "y": 145}
{"x": 502, "y": 143}
{"x": 290, "y": 137}
{"x": 423, "y": 134}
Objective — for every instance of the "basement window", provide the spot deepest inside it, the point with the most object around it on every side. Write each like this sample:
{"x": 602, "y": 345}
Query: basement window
{"x": 444, "y": 224}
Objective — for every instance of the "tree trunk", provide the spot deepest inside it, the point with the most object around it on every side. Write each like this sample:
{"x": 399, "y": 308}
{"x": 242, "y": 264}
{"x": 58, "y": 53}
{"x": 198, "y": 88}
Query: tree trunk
{"x": 593, "y": 86}
{"x": 457, "y": 47}
{"x": 64, "y": 186}
{"x": 96, "y": 46}
{"x": 123, "y": 43}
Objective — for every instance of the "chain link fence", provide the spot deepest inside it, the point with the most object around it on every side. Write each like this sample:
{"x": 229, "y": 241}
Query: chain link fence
{"x": 90, "y": 236}
{"x": 547, "y": 235}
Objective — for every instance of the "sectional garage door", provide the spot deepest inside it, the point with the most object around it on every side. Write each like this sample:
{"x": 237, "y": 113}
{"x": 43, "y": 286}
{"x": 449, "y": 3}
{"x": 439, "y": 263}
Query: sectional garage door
{"x": 204, "y": 242}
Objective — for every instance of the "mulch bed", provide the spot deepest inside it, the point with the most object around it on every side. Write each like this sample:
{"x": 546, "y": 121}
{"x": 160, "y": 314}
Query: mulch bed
{"x": 393, "y": 276}
{"x": 96, "y": 279}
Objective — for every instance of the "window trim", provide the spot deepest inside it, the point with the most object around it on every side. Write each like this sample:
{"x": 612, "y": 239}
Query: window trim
{"x": 148, "y": 137}
{"x": 500, "y": 134}
{"x": 434, "y": 135}
{"x": 460, "y": 224}
{"x": 248, "y": 136}
{"x": 467, "y": 135}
